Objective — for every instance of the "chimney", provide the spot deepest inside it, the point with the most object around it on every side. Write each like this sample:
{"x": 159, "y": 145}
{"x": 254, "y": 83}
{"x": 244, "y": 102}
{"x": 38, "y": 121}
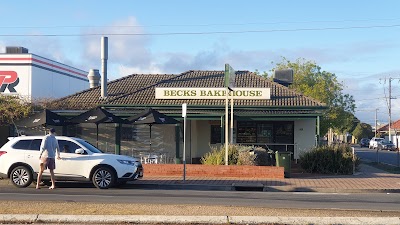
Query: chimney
{"x": 284, "y": 77}
{"x": 104, "y": 58}
{"x": 94, "y": 78}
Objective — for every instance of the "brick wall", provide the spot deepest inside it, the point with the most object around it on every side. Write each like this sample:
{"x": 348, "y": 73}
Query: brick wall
{"x": 195, "y": 170}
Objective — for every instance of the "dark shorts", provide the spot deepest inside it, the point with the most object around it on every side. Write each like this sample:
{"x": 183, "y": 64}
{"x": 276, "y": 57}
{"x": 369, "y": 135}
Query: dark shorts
{"x": 50, "y": 164}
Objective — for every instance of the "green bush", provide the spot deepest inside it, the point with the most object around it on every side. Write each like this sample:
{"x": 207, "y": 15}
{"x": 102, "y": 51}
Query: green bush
{"x": 336, "y": 159}
{"x": 237, "y": 155}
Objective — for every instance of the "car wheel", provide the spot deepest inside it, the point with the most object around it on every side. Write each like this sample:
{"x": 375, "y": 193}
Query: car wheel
{"x": 103, "y": 178}
{"x": 21, "y": 176}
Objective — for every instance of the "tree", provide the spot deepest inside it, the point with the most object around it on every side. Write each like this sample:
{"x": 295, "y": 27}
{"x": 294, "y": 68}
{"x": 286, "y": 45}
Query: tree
{"x": 323, "y": 86}
{"x": 12, "y": 108}
{"x": 363, "y": 130}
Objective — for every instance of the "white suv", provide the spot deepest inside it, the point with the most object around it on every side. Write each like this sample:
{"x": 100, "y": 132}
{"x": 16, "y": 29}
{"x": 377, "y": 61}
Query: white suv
{"x": 19, "y": 161}
{"x": 373, "y": 143}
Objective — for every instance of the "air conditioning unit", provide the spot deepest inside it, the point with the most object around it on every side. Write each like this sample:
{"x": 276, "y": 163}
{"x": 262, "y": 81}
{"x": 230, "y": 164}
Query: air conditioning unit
{"x": 16, "y": 50}
{"x": 284, "y": 77}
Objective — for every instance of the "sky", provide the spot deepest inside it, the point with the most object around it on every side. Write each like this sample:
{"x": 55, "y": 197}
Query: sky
{"x": 356, "y": 40}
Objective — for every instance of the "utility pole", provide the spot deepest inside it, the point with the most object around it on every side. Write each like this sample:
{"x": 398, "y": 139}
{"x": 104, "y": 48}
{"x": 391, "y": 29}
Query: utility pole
{"x": 390, "y": 104}
{"x": 376, "y": 121}
{"x": 390, "y": 108}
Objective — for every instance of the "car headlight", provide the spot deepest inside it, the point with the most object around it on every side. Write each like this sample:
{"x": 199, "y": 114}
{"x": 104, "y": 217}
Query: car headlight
{"x": 126, "y": 162}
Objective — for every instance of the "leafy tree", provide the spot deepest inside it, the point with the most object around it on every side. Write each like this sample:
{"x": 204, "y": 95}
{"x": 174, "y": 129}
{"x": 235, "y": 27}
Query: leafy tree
{"x": 12, "y": 108}
{"x": 323, "y": 86}
{"x": 363, "y": 130}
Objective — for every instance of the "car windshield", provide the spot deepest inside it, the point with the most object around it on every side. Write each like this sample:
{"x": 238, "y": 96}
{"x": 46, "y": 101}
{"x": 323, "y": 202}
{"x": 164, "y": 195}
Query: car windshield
{"x": 89, "y": 146}
{"x": 386, "y": 142}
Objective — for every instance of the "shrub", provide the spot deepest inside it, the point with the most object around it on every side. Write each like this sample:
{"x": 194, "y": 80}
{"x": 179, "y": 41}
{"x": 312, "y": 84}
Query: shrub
{"x": 237, "y": 155}
{"x": 336, "y": 159}
{"x": 262, "y": 157}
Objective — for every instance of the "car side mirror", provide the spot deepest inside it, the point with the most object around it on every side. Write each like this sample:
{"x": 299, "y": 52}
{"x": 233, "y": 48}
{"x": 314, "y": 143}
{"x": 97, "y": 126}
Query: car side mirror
{"x": 80, "y": 151}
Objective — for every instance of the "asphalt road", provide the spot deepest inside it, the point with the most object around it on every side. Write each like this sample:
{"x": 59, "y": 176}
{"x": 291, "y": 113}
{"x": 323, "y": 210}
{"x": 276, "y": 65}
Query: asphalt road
{"x": 384, "y": 156}
{"x": 298, "y": 200}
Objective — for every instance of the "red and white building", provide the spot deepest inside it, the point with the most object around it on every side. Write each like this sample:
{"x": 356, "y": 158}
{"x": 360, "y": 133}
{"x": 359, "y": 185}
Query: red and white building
{"x": 33, "y": 77}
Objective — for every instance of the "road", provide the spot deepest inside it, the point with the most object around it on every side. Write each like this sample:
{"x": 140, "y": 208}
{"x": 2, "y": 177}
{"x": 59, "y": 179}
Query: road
{"x": 383, "y": 156}
{"x": 297, "y": 200}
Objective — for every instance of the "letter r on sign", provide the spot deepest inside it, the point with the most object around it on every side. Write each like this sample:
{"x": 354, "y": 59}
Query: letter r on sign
{"x": 8, "y": 77}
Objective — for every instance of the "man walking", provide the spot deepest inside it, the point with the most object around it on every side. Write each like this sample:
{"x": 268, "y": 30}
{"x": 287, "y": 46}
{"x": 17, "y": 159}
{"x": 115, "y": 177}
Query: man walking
{"x": 48, "y": 150}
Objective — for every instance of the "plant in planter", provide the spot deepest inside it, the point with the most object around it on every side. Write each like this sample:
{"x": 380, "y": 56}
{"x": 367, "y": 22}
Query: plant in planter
{"x": 237, "y": 155}
{"x": 335, "y": 159}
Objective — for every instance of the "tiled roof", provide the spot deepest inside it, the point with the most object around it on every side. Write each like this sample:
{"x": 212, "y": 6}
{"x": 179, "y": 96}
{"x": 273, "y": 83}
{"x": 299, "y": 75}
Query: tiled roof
{"x": 139, "y": 90}
{"x": 393, "y": 126}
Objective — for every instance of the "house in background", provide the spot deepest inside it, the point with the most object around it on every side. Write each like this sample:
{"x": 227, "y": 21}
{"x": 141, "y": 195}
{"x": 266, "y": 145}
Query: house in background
{"x": 286, "y": 121}
{"x": 394, "y": 132}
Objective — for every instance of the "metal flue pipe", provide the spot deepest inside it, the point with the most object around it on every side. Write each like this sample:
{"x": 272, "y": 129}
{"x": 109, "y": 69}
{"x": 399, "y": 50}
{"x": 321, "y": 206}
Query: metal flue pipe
{"x": 104, "y": 58}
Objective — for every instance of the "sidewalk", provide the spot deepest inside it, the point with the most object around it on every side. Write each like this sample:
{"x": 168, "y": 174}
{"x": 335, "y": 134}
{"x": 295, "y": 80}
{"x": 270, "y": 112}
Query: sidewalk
{"x": 368, "y": 179}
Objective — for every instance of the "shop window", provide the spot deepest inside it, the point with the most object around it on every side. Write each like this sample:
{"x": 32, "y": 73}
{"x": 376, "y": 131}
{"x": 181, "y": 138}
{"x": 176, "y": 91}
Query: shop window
{"x": 128, "y": 133}
{"x": 264, "y": 133}
{"x": 215, "y": 134}
{"x": 284, "y": 132}
{"x": 246, "y": 132}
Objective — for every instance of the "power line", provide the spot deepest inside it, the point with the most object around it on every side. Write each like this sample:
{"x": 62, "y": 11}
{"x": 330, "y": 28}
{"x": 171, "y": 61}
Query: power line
{"x": 198, "y": 25}
{"x": 201, "y": 33}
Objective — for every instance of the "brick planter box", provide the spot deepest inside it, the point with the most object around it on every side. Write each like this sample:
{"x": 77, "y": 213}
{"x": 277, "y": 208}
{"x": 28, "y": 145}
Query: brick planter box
{"x": 195, "y": 170}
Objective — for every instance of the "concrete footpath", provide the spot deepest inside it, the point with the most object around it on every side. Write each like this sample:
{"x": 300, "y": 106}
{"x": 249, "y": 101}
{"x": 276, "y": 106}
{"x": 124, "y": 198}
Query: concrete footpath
{"x": 367, "y": 179}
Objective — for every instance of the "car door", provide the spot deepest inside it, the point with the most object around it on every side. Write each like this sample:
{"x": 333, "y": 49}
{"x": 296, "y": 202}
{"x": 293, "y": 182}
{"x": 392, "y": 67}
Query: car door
{"x": 32, "y": 153}
{"x": 71, "y": 165}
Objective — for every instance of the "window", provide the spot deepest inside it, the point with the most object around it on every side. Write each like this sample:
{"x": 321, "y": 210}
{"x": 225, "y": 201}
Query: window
{"x": 215, "y": 134}
{"x": 264, "y": 132}
{"x": 284, "y": 132}
{"x": 28, "y": 144}
{"x": 67, "y": 146}
{"x": 246, "y": 132}
{"x": 35, "y": 144}
{"x": 22, "y": 144}
{"x": 128, "y": 133}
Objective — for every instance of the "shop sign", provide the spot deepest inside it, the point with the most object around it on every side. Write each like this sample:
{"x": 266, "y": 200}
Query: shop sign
{"x": 8, "y": 80}
{"x": 212, "y": 93}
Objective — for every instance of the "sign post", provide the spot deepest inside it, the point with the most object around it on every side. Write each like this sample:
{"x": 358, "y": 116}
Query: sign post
{"x": 229, "y": 85}
{"x": 184, "y": 108}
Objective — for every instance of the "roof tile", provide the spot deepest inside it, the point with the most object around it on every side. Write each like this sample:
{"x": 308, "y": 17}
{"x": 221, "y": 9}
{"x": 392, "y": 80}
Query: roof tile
{"x": 139, "y": 89}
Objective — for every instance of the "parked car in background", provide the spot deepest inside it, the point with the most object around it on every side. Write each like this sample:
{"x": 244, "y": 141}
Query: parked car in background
{"x": 364, "y": 142}
{"x": 373, "y": 143}
{"x": 386, "y": 145}
{"x": 80, "y": 161}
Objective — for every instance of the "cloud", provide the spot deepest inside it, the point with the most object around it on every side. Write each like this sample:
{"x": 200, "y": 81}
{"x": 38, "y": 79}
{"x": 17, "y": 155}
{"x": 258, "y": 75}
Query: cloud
{"x": 122, "y": 49}
{"x": 127, "y": 70}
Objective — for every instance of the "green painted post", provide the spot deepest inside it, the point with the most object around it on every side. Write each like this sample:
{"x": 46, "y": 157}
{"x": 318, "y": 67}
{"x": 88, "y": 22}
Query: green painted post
{"x": 118, "y": 138}
{"x": 177, "y": 143}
